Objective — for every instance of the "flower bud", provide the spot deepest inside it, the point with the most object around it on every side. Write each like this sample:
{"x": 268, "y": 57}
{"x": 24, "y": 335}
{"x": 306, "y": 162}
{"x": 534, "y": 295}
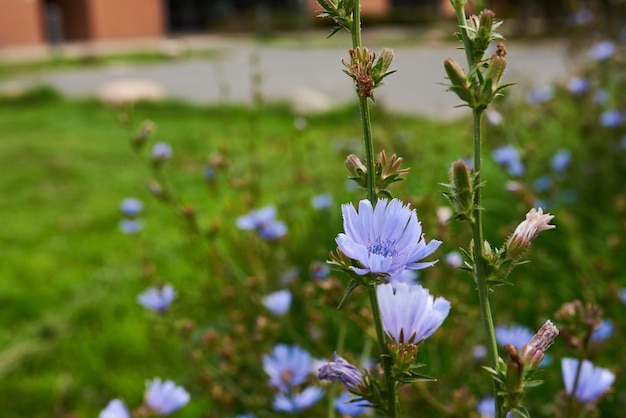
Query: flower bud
{"x": 533, "y": 352}
{"x": 147, "y": 128}
{"x": 536, "y": 221}
{"x": 457, "y": 77}
{"x": 461, "y": 194}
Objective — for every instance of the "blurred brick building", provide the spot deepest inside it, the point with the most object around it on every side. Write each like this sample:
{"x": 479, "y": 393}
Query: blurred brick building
{"x": 32, "y": 22}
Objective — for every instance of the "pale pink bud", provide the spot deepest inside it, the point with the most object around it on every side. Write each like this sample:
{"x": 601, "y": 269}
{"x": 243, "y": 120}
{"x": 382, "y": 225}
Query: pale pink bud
{"x": 535, "y": 222}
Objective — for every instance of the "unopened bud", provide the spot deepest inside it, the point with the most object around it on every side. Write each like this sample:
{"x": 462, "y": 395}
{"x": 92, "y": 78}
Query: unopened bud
{"x": 144, "y": 132}
{"x": 533, "y": 352}
{"x": 355, "y": 166}
{"x": 461, "y": 194}
{"x": 458, "y": 80}
{"x": 497, "y": 65}
{"x": 486, "y": 19}
{"x": 536, "y": 221}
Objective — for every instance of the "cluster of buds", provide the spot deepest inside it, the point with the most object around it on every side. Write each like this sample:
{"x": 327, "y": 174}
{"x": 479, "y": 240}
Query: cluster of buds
{"x": 461, "y": 189}
{"x": 405, "y": 368}
{"x": 367, "y": 71}
{"x": 578, "y": 322}
{"x": 516, "y": 374}
{"x": 340, "y": 11}
{"x": 387, "y": 170}
{"x": 499, "y": 262}
{"x": 480, "y": 86}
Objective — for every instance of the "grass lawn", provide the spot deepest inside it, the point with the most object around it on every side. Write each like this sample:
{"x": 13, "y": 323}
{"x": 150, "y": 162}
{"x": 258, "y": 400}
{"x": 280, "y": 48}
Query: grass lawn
{"x": 73, "y": 335}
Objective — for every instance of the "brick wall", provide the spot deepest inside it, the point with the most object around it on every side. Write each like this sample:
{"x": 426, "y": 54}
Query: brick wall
{"x": 21, "y": 23}
{"x": 123, "y": 19}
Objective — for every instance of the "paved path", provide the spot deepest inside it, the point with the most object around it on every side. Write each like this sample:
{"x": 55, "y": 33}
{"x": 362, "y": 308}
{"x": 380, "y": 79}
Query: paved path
{"x": 416, "y": 88}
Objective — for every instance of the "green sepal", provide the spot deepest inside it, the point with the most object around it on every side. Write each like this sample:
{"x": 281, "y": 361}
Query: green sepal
{"x": 354, "y": 283}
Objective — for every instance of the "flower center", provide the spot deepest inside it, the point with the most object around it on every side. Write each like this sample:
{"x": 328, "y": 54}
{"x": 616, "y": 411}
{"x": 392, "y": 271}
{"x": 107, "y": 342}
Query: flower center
{"x": 385, "y": 248}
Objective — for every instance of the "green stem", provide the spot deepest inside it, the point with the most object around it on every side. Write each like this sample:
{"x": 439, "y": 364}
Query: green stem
{"x": 371, "y": 195}
{"x": 572, "y": 396}
{"x": 459, "y": 9}
{"x": 392, "y": 410}
{"x": 480, "y": 275}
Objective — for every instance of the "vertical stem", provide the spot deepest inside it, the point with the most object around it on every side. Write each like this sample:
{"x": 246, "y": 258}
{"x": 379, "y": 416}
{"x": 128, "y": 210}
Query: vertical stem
{"x": 479, "y": 262}
{"x": 477, "y": 226}
{"x": 392, "y": 396}
{"x": 371, "y": 195}
{"x": 572, "y": 396}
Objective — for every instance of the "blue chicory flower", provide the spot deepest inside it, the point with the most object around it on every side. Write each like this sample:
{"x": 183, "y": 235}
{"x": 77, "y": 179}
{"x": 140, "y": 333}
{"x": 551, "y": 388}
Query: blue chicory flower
{"x": 347, "y": 407}
{"x": 321, "y": 201}
{"x": 577, "y": 85}
{"x": 157, "y": 299}
{"x": 454, "y": 259}
{"x": 297, "y": 402}
{"x": 115, "y": 409}
{"x": 561, "y": 160}
{"x": 600, "y": 97}
{"x": 486, "y": 408}
{"x": 611, "y": 118}
{"x": 405, "y": 276}
{"x": 131, "y": 206}
{"x": 602, "y": 331}
{"x": 342, "y": 371}
{"x": 410, "y": 314}
{"x": 540, "y": 94}
{"x": 593, "y": 381}
{"x": 278, "y": 302}
{"x": 164, "y": 397}
{"x": 516, "y": 335}
{"x": 385, "y": 239}
{"x": 493, "y": 117}
{"x": 319, "y": 270}
{"x": 264, "y": 222}
{"x": 602, "y": 50}
{"x": 543, "y": 183}
{"x": 287, "y": 366}
{"x": 248, "y": 415}
{"x": 508, "y": 156}
{"x": 161, "y": 151}
{"x": 130, "y": 226}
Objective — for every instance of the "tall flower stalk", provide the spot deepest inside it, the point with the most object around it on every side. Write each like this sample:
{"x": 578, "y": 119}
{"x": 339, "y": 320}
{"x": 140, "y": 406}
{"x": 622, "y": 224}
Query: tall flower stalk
{"x": 478, "y": 90}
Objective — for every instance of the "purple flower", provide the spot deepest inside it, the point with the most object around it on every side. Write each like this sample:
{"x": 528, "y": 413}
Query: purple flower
{"x": 385, "y": 239}
{"x": 165, "y": 397}
{"x": 602, "y": 331}
{"x": 410, "y": 314}
{"x": 601, "y": 97}
{"x": 486, "y": 408}
{"x": 493, "y": 116}
{"x": 592, "y": 382}
{"x": 540, "y": 95}
{"x": 602, "y": 50}
{"x": 287, "y": 366}
{"x": 516, "y": 335}
{"x": 346, "y": 405}
{"x": 319, "y": 270}
{"x": 157, "y": 299}
{"x": 611, "y": 118}
{"x": 278, "y": 302}
{"x": 298, "y": 401}
{"x": 561, "y": 160}
{"x": 115, "y": 409}
{"x": 509, "y": 157}
{"x": 577, "y": 85}
{"x": 131, "y": 206}
{"x": 321, "y": 201}
{"x": 130, "y": 226}
{"x": 454, "y": 259}
{"x": 161, "y": 151}
{"x": 405, "y": 276}
{"x": 543, "y": 183}
{"x": 341, "y": 370}
{"x": 264, "y": 222}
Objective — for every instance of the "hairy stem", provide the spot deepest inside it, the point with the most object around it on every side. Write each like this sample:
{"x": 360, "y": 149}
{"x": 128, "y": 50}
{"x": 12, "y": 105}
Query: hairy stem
{"x": 392, "y": 409}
